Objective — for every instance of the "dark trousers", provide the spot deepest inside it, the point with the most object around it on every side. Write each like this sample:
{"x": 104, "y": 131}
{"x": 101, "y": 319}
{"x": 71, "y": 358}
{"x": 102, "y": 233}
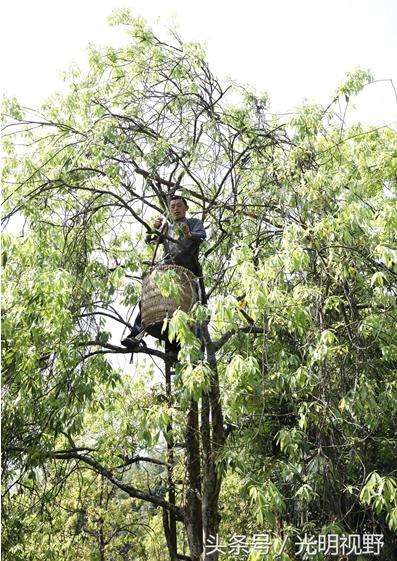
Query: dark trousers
{"x": 170, "y": 346}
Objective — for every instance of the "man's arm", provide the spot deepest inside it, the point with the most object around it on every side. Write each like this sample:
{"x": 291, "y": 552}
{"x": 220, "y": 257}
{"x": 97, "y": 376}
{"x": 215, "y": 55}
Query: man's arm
{"x": 152, "y": 237}
{"x": 197, "y": 230}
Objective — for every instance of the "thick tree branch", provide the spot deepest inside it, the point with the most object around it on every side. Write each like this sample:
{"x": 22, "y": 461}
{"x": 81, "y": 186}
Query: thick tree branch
{"x": 122, "y": 350}
{"x": 127, "y": 488}
{"x": 249, "y": 329}
{"x": 128, "y": 461}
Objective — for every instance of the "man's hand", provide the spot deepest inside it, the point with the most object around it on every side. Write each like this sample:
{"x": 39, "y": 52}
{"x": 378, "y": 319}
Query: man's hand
{"x": 158, "y": 223}
{"x": 186, "y": 230}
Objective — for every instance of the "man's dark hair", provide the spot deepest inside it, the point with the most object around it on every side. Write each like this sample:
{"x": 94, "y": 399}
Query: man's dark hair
{"x": 174, "y": 197}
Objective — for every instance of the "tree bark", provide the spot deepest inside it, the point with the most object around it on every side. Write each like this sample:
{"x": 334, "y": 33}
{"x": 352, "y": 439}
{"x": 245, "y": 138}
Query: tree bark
{"x": 169, "y": 536}
{"x": 193, "y": 507}
{"x": 171, "y": 520}
{"x": 213, "y": 439}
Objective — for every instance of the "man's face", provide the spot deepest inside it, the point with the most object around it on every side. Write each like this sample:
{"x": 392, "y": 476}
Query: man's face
{"x": 178, "y": 209}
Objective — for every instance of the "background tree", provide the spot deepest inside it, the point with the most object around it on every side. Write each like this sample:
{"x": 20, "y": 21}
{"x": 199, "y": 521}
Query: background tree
{"x": 289, "y": 399}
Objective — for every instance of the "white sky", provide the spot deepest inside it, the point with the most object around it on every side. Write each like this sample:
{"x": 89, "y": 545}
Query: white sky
{"x": 291, "y": 48}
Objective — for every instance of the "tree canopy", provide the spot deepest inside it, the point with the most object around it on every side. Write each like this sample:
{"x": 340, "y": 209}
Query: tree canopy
{"x": 281, "y": 419}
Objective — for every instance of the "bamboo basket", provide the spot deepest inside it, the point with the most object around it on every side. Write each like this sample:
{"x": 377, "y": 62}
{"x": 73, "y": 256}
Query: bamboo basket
{"x": 155, "y": 307}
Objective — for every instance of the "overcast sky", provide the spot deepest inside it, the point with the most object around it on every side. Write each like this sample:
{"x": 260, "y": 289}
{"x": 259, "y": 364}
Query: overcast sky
{"x": 293, "y": 49}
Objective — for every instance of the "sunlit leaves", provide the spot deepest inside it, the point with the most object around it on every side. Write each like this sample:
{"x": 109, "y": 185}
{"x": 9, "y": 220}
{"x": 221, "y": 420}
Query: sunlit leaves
{"x": 354, "y": 82}
{"x": 381, "y": 494}
{"x": 267, "y": 502}
{"x": 194, "y": 380}
{"x": 169, "y": 284}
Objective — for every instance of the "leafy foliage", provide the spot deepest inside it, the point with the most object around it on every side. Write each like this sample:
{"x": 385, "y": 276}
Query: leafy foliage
{"x": 286, "y": 401}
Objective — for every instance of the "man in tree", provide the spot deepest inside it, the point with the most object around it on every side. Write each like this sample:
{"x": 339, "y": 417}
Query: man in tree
{"x": 181, "y": 244}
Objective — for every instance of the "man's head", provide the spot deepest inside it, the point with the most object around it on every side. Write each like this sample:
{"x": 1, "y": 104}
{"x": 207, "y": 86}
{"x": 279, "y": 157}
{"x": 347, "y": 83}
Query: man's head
{"x": 178, "y": 207}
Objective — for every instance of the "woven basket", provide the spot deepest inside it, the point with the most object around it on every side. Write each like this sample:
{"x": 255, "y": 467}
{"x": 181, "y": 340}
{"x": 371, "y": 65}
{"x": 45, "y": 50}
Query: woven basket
{"x": 155, "y": 307}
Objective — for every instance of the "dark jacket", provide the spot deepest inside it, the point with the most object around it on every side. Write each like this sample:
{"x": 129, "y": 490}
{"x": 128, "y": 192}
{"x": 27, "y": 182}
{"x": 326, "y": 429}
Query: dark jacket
{"x": 186, "y": 252}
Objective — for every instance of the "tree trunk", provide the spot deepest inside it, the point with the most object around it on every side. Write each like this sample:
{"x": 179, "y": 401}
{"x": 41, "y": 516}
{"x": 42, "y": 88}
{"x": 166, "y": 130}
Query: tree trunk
{"x": 169, "y": 537}
{"x": 170, "y": 521}
{"x": 213, "y": 439}
{"x": 193, "y": 509}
